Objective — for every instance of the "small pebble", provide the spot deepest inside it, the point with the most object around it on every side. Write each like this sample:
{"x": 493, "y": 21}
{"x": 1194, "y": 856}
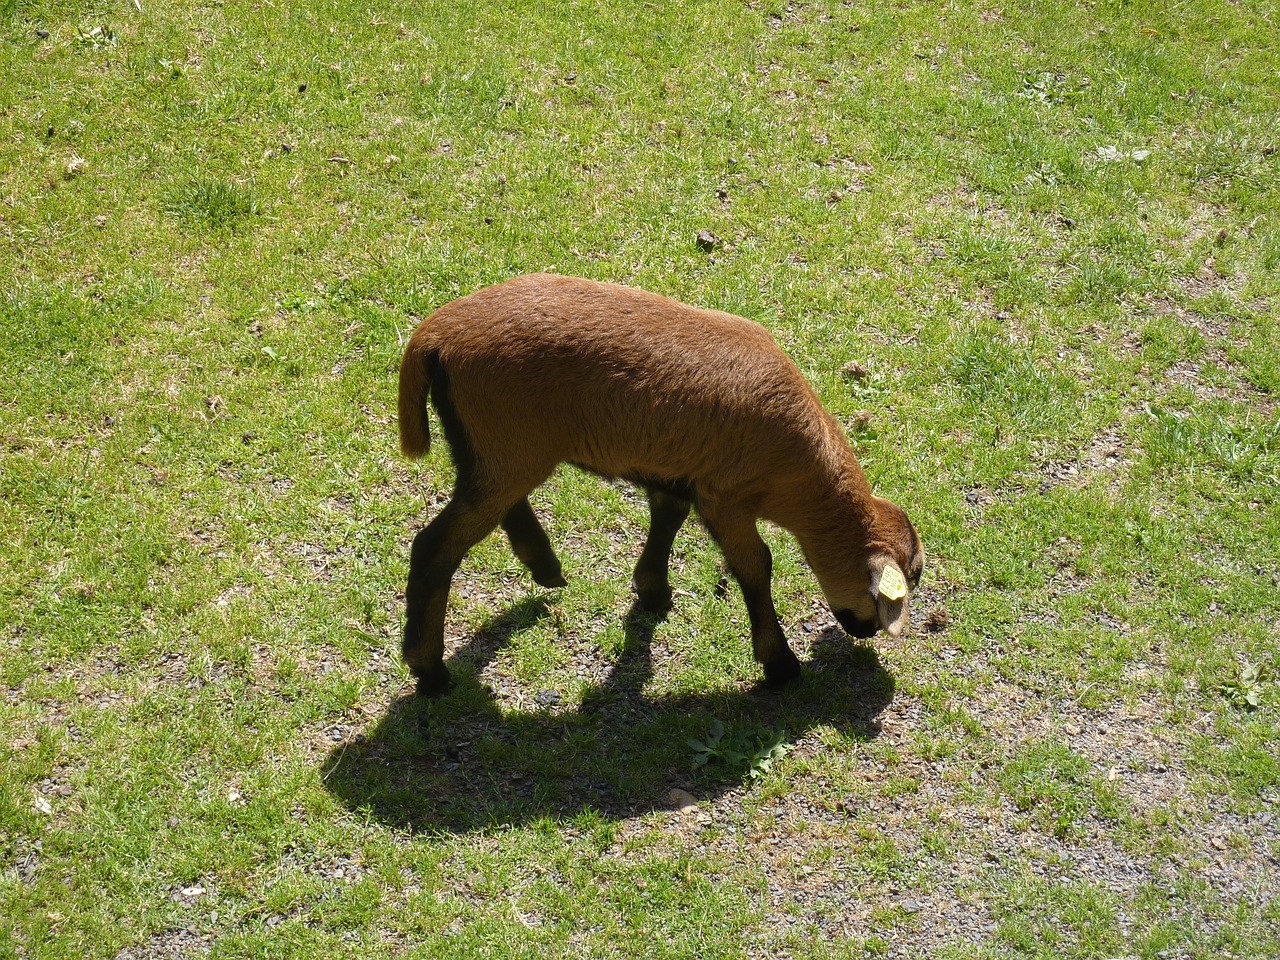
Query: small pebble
{"x": 546, "y": 698}
{"x": 937, "y": 620}
{"x": 860, "y": 420}
{"x": 682, "y": 800}
{"x": 707, "y": 240}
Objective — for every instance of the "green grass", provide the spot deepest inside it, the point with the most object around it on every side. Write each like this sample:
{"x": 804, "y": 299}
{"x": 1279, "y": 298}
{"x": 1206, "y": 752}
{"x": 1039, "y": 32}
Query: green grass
{"x": 210, "y": 206}
{"x": 1049, "y": 233}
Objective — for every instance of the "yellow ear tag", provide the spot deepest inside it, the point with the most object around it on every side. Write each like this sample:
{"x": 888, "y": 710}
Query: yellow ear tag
{"x": 892, "y": 585}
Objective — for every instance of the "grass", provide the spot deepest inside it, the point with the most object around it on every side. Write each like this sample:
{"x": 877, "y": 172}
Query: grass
{"x": 211, "y": 205}
{"x": 1047, "y": 232}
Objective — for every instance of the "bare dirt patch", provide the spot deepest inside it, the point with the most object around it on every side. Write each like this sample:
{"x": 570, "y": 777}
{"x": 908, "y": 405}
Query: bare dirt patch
{"x": 170, "y": 945}
{"x": 1108, "y": 454}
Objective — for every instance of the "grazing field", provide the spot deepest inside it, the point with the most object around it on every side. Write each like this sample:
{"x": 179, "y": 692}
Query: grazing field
{"x": 1029, "y": 253}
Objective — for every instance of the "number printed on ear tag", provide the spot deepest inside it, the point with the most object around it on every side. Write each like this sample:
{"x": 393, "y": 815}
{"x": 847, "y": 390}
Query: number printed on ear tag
{"x": 892, "y": 584}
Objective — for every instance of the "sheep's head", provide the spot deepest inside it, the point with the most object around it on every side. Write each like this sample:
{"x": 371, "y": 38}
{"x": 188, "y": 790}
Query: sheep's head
{"x": 874, "y": 595}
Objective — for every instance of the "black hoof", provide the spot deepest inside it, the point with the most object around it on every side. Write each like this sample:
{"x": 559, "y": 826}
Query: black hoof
{"x": 782, "y": 671}
{"x": 653, "y": 600}
{"x": 551, "y": 579}
{"x": 434, "y": 683}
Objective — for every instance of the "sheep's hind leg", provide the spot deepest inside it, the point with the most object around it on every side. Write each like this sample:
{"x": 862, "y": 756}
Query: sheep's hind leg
{"x": 651, "y": 579}
{"x": 531, "y": 545}
{"x": 437, "y": 552}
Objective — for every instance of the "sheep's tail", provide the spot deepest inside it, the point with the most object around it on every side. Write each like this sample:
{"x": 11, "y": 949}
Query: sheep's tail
{"x": 415, "y": 384}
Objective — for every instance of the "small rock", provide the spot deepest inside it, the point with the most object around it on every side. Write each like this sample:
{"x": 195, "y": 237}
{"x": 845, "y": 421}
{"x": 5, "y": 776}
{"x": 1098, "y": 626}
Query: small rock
{"x": 173, "y": 823}
{"x": 42, "y": 805}
{"x": 937, "y": 620}
{"x": 909, "y": 906}
{"x": 42, "y": 34}
{"x": 853, "y": 370}
{"x": 860, "y": 420}
{"x": 708, "y": 241}
{"x": 682, "y": 800}
{"x": 546, "y": 698}
{"x": 302, "y": 88}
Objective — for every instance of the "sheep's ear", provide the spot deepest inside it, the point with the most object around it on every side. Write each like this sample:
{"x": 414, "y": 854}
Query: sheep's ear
{"x": 889, "y": 589}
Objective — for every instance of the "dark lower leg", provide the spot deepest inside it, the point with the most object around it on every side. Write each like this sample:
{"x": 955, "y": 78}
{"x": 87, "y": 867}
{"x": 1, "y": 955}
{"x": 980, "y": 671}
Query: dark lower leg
{"x": 752, "y": 566}
{"x": 651, "y": 579}
{"x": 531, "y": 545}
{"x": 436, "y": 554}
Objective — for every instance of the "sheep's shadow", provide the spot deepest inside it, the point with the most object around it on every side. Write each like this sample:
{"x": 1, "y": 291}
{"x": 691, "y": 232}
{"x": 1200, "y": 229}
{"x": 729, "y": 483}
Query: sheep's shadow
{"x": 461, "y": 763}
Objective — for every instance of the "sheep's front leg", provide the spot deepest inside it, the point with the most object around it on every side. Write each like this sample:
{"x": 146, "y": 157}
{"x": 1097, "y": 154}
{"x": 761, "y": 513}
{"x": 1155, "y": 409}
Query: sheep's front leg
{"x": 651, "y": 579}
{"x": 437, "y": 552}
{"x": 752, "y": 566}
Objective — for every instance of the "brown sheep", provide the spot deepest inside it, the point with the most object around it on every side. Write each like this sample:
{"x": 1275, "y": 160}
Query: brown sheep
{"x": 698, "y": 407}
